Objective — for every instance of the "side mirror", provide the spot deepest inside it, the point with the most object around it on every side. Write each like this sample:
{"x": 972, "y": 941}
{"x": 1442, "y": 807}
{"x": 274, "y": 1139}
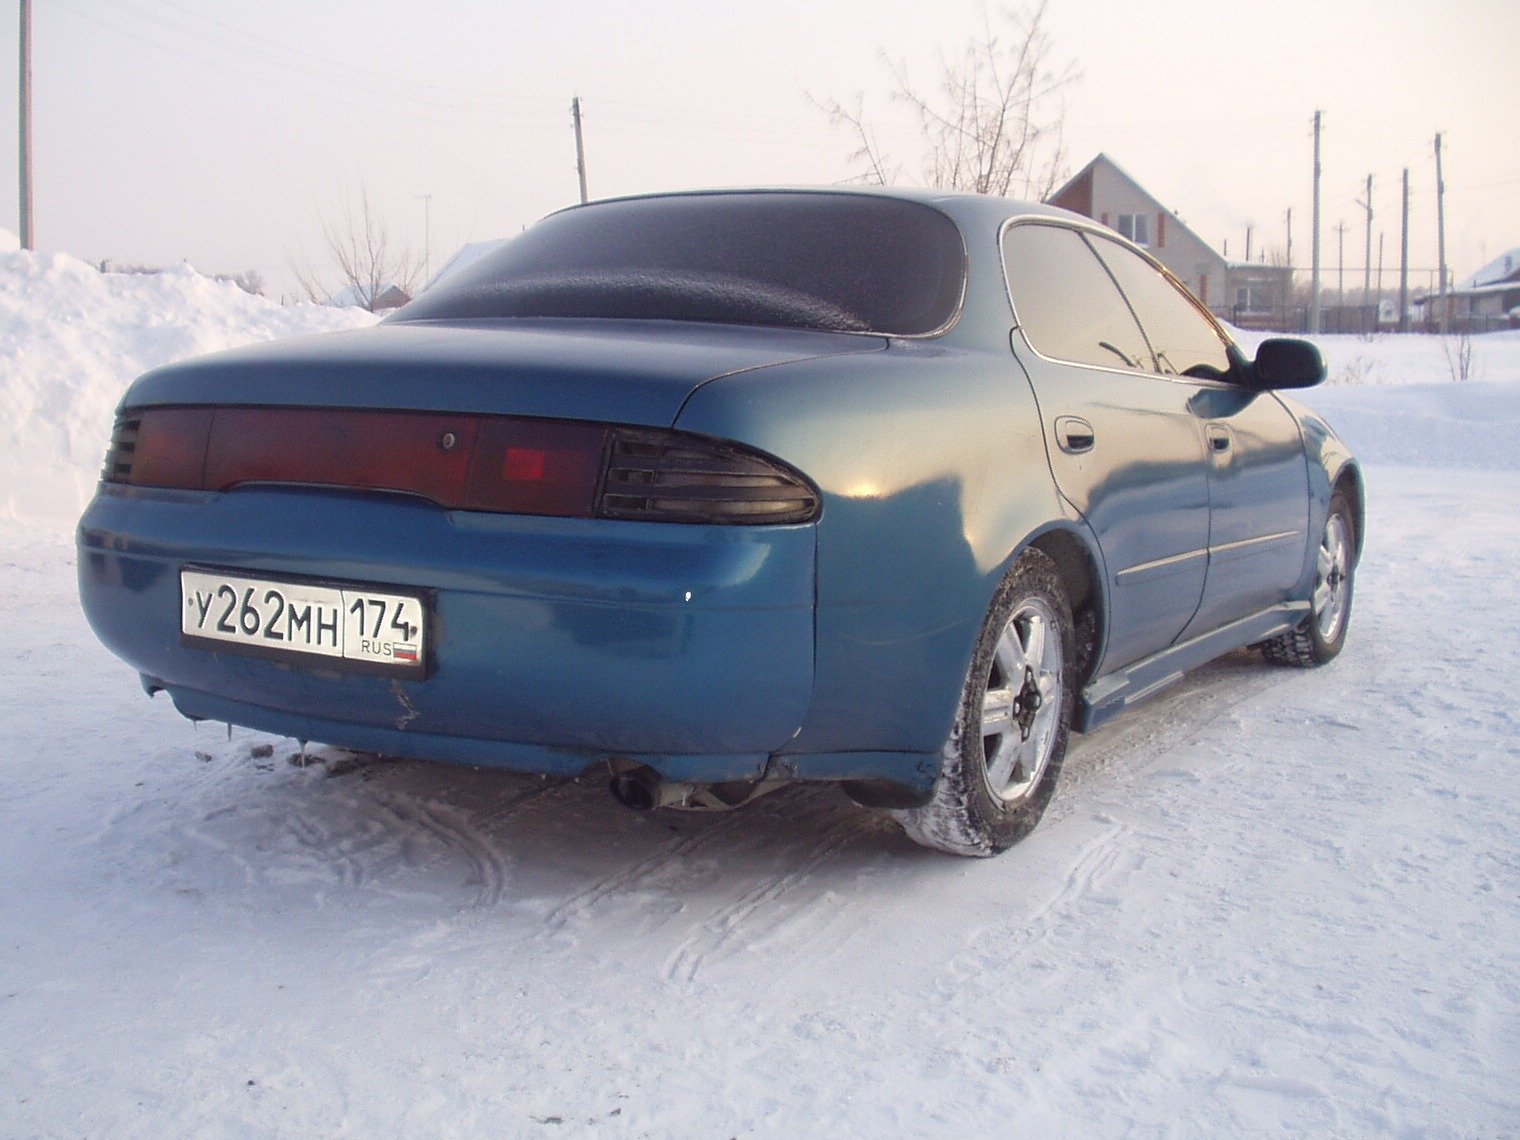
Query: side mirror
{"x": 1287, "y": 362}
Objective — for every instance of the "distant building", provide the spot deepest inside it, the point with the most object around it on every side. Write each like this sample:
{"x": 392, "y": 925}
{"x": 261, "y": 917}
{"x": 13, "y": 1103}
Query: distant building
{"x": 1488, "y": 300}
{"x": 387, "y": 297}
{"x": 1246, "y": 293}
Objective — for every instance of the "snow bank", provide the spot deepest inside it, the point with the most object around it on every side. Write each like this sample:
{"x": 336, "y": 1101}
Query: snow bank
{"x": 1441, "y": 401}
{"x": 1390, "y": 360}
{"x": 72, "y": 338}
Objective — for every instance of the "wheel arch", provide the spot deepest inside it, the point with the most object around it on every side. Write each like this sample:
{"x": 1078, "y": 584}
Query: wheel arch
{"x": 1079, "y": 566}
{"x": 1349, "y": 480}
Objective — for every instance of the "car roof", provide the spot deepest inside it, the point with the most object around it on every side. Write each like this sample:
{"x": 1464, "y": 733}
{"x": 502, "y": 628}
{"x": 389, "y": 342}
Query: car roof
{"x": 965, "y": 208}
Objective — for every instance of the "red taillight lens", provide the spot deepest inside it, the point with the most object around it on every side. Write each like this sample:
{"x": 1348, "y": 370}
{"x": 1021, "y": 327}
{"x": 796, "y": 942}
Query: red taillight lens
{"x": 420, "y": 453}
{"x": 170, "y": 448}
{"x": 473, "y": 463}
{"x": 537, "y": 467}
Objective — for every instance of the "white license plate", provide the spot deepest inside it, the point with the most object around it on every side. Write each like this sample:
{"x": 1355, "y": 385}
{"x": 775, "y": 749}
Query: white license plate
{"x": 373, "y": 630}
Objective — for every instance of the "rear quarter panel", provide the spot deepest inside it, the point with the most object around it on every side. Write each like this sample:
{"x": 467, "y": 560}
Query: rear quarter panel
{"x": 933, "y": 473}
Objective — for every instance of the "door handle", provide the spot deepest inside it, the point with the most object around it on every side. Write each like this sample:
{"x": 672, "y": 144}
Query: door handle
{"x": 1220, "y": 438}
{"x": 1074, "y": 436}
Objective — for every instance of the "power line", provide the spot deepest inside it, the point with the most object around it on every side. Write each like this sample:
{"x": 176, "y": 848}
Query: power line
{"x": 365, "y": 98}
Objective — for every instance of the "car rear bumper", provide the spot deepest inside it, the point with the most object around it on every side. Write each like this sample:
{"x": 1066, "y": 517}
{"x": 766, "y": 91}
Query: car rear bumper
{"x": 556, "y": 642}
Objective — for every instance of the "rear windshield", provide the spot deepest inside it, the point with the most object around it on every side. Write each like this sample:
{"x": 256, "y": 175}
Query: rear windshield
{"x": 843, "y": 262}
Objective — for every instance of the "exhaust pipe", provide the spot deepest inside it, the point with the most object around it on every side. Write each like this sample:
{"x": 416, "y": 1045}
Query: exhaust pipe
{"x": 643, "y": 789}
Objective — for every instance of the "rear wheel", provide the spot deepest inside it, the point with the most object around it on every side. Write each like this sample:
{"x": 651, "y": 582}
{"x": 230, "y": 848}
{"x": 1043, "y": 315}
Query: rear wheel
{"x": 1320, "y": 636}
{"x": 1005, "y": 749}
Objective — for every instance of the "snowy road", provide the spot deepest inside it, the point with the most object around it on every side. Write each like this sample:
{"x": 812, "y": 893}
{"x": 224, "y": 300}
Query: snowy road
{"x": 1268, "y": 901}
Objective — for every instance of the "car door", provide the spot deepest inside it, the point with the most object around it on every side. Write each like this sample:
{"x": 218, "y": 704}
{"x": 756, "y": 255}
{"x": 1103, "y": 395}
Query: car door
{"x": 1126, "y": 443}
{"x": 1258, "y": 478}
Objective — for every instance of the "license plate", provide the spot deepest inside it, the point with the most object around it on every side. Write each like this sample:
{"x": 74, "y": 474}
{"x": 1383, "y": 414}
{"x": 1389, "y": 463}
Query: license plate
{"x": 354, "y": 627}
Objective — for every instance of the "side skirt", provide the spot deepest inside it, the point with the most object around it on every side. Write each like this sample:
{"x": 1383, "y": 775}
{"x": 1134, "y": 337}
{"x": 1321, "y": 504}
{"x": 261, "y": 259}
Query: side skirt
{"x": 1114, "y": 692}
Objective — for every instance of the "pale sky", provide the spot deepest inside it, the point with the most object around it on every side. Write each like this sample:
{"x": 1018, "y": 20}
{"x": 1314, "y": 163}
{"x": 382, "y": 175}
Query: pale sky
{"x": 219, "y": 132}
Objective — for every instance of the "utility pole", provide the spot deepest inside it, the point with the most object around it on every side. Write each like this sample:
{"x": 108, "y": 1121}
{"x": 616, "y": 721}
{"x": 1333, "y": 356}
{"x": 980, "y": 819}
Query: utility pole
{"x": 1340, "y": 276}
{"x": 1404, "y": 260}
{"x": 1314, "y": 244}
{"x": 26, "y": 125}
{"x": 1441, "y": 233}
{"x": 1286, "y": 293}
{"x": 1380, "y": 267}
{"x": 427, "y": 237}
{"x": 1248, "y": 244}
{"x": 1367, "y": 265}
{"x": 580, "y": 146}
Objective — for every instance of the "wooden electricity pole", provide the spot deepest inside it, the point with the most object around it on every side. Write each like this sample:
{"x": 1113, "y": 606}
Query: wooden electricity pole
{"x": 1380, "y": 267}
{"x": 580, "y": 145}
{"x": 26, "y": 125}
{"x": 1340, "y": 276}
{"x": 1441, "y": 235}
{"x": 1314, "y": 240}
{"x": 1404, "y": 260}
{"x": 427, "y": 237}
{"x": 1367, "y": 265}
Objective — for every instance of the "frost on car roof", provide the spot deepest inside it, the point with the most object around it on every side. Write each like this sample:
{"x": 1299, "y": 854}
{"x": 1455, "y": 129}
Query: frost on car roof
{"x": 798, "y": 259}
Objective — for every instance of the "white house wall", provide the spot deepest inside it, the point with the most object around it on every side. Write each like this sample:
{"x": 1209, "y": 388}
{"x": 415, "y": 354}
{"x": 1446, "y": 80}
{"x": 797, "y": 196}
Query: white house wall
{"x": 1179, "y": 249}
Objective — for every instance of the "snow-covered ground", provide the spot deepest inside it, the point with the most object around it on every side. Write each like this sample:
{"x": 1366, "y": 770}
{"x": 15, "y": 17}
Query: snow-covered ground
{"x": 1267, "y": 902}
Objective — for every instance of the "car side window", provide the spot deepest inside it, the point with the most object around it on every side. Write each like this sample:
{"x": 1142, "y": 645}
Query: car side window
{"x": 1067, "y": 303}
{"x": 1184, "y": 340}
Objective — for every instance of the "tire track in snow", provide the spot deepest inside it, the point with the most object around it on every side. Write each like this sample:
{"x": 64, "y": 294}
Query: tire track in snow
{"x": 1178, "y": 718}
{"x": 1095, "y": 862}
{"x": 578, "y": 903}
{"x": 338, "y": 852}
{"x": 488, "y": 867}
{"x": 781, "y": 817}
{"x": 714, "y": 936}
{"x": 463, "y": 833}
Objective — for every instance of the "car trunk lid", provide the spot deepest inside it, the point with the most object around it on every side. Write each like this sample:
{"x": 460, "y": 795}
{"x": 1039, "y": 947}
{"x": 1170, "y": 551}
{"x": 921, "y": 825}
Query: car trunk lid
{"x": 629, "y": 372}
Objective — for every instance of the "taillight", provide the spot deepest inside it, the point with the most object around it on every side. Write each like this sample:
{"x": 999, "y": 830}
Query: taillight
{"x": 420, "y": 453}
{"x": 122, "y": 454}
{"x": 537, "y": 467}
{"x": 171, "y": 447}
{"x": 672, "y": 477}
{"x": 474, "y": 463}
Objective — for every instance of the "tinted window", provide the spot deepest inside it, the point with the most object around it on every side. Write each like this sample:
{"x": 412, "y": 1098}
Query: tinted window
{"x": 848, "y": 262}
{"x": 1182, "y": 338}
{"x": 1066, "y": 302}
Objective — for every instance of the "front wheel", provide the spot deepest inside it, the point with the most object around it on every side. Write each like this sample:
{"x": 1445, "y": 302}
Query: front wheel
{"x": 1004, "y": 753}
{"x": 1320, "y": 636}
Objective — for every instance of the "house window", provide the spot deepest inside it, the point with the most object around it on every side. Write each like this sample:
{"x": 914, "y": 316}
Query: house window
{"x": 1136, "y": 227}
{"x": 1253, "y": 297}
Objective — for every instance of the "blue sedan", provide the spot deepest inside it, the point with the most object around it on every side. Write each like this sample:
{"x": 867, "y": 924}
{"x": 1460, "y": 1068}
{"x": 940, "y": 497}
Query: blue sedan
{"x": 720, "y": 491}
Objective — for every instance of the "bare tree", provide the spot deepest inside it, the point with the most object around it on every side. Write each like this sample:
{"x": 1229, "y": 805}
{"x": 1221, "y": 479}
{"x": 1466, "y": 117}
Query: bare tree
{"x": 368, "y": 261}
{"x": 992, "y": 126}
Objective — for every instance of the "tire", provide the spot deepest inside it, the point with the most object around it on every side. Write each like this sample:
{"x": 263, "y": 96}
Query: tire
{"x": 1005, "y": 748}
{"x": 1320, "y": 636}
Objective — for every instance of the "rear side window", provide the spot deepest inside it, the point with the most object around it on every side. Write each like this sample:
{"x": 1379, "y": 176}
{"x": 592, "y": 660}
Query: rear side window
{"x": 1067, "y": 304}
{"x": 1184, "y": 340}
{"x": 843, "y": 262}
